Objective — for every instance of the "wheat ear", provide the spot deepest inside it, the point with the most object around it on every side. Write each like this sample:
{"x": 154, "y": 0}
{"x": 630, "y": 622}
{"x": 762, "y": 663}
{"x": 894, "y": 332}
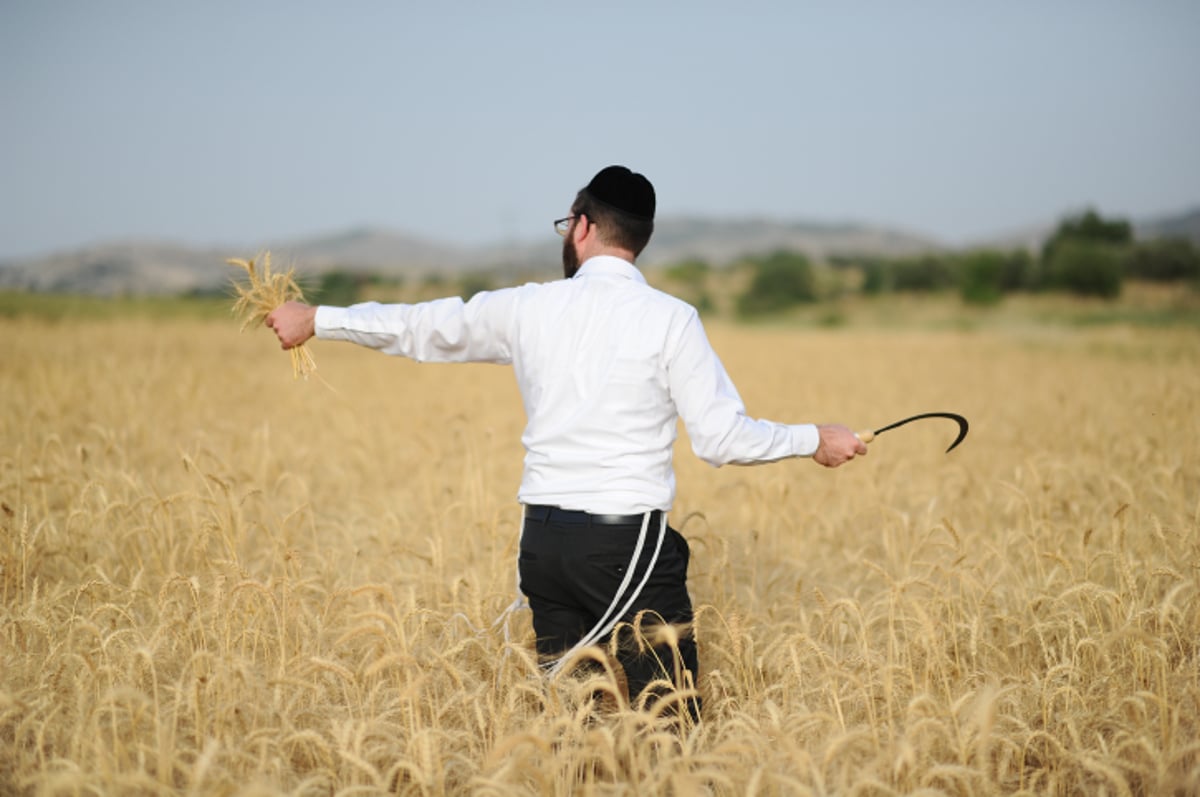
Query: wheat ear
{"x": 262, "y": 293}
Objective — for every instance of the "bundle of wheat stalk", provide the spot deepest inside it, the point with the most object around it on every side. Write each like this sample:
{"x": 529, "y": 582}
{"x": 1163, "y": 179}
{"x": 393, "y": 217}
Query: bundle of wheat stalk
{"x": 265, "y": 291}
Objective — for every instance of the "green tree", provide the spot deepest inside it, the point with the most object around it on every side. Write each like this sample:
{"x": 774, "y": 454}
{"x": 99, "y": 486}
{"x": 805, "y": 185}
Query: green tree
{"x": 781, "y": 280}
{"x": 1165, "y": 260}
{"x": 985, "y": 275}
{"x": 1086, "y": 268}
{"x": 1086, "y": 255}
{"x": 472, "y": 284}
{"x": 921, "y": 274}
{"x": 1017, "y": 272}
{"x": 1089, "y": 227}
{"x": 339, "y": 287}
{"x": 691, "y": 277}
{"x": 692, "y": 271}
{"x": 874, "y": 278}
{"x": 981, "y": 277}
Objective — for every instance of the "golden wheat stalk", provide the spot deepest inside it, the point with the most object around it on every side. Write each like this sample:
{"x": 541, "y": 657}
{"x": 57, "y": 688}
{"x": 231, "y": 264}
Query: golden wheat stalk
{"x": 264, "y": 291}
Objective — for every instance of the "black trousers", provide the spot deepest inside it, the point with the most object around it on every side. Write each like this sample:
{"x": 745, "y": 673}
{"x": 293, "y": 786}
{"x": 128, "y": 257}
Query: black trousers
{"x": 571, "y": 567}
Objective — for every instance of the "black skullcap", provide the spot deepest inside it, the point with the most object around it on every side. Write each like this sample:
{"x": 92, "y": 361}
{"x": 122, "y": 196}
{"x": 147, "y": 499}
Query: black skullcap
{"x": 624, "y": 190}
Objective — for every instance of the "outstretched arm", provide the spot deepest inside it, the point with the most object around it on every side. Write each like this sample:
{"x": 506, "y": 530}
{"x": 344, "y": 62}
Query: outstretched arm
{"x": 442, "y": 330}
{"x": 293, "y": 322}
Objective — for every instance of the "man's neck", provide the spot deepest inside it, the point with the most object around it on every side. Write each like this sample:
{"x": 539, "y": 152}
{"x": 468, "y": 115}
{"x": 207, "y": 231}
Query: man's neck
{"x": 611, "y": 251}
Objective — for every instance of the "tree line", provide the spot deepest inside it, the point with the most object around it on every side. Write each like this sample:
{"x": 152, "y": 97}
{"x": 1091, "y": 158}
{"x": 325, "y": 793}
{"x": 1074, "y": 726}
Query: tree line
{"x": 1087, "y": 255}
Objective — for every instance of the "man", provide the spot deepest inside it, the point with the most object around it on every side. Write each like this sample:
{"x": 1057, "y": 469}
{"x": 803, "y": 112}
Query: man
{"x": 606, "y": 365}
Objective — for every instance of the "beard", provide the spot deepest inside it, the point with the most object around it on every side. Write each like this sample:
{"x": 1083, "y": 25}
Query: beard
{"x": 570, "y": 258}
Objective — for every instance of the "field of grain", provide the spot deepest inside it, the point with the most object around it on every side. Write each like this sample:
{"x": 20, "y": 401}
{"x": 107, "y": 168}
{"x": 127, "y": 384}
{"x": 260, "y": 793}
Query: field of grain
{"x": 218, "y": 580}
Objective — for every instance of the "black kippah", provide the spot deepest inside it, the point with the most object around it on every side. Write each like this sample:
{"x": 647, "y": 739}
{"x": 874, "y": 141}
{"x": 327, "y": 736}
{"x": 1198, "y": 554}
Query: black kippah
{"x": 624, "y": 190}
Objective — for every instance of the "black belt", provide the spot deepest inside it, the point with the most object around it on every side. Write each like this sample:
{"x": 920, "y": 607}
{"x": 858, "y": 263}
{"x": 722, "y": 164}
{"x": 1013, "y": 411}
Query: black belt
{"x": 553, "y": 514}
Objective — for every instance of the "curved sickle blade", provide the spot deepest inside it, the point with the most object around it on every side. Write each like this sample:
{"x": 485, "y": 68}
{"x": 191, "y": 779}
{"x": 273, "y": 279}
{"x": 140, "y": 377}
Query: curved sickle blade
{"x": 960, "y": 420}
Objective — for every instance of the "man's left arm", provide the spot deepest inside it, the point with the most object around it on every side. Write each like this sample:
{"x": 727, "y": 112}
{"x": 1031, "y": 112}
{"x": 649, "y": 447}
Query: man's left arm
{"x": 718, "y": 426}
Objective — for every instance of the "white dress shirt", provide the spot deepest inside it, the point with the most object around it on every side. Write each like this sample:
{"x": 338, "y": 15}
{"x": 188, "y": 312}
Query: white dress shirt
{"x": 605, "y": 365}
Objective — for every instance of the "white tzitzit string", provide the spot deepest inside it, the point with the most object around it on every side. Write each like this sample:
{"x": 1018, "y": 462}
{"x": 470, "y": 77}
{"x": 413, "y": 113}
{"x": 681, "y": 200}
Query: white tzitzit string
{"x": 519, "y": 602}
{"x": 609, "y": 619}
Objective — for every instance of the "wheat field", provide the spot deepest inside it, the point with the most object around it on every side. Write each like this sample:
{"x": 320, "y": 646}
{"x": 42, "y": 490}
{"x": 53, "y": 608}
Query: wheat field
{"x": 218, "y": 580}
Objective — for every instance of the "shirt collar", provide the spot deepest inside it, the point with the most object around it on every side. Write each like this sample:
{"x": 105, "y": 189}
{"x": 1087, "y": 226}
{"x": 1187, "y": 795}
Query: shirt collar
{"x": 602, "y": 265}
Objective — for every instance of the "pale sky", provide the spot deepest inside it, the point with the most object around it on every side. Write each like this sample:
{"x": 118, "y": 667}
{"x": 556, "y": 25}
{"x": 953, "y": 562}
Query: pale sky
{"x": 241, "y": 123}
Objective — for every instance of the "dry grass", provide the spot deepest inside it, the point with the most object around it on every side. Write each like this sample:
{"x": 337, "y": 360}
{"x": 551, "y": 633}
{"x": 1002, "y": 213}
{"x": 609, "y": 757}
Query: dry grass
{"x": 214, "y": 583}
{"x": 264, "y": 291}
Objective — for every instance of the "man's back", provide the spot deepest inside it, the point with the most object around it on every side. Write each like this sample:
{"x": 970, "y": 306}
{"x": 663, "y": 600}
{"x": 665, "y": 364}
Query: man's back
{"x": 591, "y": 356}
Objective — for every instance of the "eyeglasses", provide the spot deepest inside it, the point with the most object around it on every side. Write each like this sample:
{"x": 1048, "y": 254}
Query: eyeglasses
{"x": 561, "y": 226}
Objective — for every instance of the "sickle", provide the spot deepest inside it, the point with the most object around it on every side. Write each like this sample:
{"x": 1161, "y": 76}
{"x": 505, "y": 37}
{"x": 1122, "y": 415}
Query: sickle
{"x": 868, "y": 436}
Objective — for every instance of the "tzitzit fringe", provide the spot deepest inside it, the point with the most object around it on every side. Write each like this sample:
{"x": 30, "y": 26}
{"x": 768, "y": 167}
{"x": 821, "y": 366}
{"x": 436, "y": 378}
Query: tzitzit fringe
{"x": 609, "y": 618}
{"x": 520, "y": 602}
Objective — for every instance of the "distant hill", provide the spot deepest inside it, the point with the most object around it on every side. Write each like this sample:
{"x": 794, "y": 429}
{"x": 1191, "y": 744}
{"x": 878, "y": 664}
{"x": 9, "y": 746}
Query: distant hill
{"x": 1185, "y": 225}
{"x": 151, "y": 268}
{"x": 157, "y": 268}
{"x": 135, "y": 267}
{"x": 720, "y": 242}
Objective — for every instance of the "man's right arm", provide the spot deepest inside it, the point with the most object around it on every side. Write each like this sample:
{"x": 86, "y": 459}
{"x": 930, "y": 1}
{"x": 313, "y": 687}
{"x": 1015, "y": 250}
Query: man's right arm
{"x": 294, "y": 323}
{"x": 442, "y": 330}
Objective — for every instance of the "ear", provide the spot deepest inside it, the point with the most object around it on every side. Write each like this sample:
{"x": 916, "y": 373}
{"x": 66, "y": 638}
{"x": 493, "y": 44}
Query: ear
{"x": 583, "y": 229}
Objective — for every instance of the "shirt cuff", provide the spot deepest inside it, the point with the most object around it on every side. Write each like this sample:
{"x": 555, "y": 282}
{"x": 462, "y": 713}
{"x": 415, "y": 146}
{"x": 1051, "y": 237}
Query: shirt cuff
{"x": 805, "y": 439}
{"x": 329, "y": 321}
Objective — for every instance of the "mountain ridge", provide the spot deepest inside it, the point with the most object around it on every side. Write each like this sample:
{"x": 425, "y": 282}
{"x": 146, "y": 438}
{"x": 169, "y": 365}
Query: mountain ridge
{"x": 155, "y": 267}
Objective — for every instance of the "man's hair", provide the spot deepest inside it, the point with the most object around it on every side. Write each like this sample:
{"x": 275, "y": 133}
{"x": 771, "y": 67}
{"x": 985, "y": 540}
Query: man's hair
{"x": 615, "y": 227}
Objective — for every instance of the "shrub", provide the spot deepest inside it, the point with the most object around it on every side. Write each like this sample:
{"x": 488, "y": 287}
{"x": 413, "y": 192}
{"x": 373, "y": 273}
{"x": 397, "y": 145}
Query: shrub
{"x": 339, "y": 287}
{"x": 1090, "y": 227}
{"x": 1166, "y": 260}
{"x": 690, "y": 277}
{"x": 874, "y": 278}
{"x": 781, "y": 280}
{"x": 1017, "y": 271}
{"x": 472, "y": 284}
{"x": 984, "y": 276}
{"x": 1086, "y": 269}
{"x": 981, "y": 276}
{"x": 922, "y": 274}
{"x": 692, "y": 271}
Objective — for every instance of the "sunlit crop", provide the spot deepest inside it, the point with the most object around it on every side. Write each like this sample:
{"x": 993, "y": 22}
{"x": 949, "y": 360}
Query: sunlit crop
{"x": 217, "y": 580}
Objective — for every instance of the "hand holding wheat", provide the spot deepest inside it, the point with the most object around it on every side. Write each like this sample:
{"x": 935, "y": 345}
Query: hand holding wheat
{"x": 266, "y": 293}
{"x": 294, "y": 323}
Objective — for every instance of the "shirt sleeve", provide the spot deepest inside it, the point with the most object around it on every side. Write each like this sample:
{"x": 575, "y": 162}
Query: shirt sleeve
{"x": 714, "y": 414}
{"x": 444, "y": 330}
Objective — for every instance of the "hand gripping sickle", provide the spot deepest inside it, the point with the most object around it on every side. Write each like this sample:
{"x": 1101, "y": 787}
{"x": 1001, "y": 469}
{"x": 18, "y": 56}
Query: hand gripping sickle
{"x": 868, "y": 436}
